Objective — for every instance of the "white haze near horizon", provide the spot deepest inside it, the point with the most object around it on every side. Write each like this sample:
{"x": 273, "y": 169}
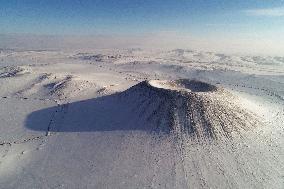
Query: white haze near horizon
{"x": 250, "y": 45}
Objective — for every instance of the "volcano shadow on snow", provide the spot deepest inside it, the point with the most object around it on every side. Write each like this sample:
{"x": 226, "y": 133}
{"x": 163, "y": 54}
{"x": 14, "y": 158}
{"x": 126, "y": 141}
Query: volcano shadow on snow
{"x": 108, "y": 113}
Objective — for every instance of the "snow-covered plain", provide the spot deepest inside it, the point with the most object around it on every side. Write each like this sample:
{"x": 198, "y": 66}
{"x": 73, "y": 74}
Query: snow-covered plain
{"x": 80, "y": 119}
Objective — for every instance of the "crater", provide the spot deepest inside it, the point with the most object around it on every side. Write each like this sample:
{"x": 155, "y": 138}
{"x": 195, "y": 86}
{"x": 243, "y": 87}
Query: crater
{"x": 183, "y": 85}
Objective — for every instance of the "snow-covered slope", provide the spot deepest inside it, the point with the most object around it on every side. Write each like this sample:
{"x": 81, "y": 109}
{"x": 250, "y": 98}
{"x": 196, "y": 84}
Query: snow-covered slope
{"x": 140, "y": 119}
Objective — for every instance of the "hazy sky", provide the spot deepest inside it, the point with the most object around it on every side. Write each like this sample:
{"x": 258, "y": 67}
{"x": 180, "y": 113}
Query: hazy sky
{"x": 258, "y": 21}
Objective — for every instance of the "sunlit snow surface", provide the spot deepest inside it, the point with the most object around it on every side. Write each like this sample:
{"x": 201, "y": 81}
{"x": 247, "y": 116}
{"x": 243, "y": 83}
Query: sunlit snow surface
{"x": 76, "y": 119}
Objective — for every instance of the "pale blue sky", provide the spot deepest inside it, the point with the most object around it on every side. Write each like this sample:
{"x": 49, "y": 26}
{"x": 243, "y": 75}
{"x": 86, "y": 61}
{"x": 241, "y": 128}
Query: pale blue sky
{"x": 197, "y": 17}
{"x": 248, "y": 25}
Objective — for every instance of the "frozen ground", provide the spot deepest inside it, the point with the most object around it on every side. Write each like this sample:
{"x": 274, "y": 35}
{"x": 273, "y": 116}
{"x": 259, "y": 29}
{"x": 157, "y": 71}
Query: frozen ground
{"x": 78, "y": 119}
